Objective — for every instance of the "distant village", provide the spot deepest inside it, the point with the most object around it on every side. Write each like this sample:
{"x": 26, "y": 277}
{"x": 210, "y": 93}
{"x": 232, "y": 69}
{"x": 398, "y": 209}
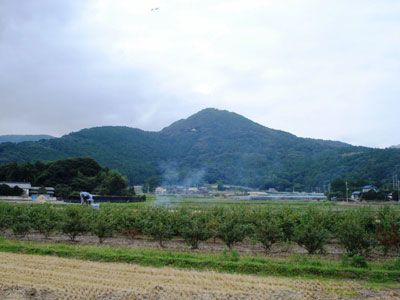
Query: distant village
{"x": 36, "y": 193}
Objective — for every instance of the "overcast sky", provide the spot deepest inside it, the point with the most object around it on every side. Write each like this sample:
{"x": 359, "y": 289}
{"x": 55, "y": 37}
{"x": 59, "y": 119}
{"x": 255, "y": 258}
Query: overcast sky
{"x": 315, "y": 68}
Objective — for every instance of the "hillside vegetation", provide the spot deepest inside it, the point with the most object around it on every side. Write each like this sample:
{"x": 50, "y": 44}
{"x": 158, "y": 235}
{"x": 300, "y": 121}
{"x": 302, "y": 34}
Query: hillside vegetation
{"x": 68, "y": 176}
{"x": 215, "y": 145}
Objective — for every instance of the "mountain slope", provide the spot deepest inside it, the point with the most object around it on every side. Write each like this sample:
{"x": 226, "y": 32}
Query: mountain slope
{"x": 16, "y": 138}
{"x": 215, "y": 145}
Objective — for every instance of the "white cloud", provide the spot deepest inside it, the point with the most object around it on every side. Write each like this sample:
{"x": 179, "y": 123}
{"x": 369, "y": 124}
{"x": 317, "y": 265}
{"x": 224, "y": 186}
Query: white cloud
{"x": 325, "y": 69}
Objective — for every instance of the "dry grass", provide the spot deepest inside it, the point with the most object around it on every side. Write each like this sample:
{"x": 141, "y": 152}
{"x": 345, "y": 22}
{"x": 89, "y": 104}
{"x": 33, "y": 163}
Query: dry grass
{"x": 46, "y": 277}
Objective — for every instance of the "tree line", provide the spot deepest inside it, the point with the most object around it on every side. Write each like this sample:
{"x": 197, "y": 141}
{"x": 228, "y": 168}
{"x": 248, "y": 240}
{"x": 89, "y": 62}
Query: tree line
{"x": 68, "y": 177}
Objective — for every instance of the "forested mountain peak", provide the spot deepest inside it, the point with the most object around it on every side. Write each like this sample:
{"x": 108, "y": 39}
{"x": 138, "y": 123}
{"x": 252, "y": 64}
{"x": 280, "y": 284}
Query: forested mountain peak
{"x": 212, "y": 119}
{"x": 220, "y": 145}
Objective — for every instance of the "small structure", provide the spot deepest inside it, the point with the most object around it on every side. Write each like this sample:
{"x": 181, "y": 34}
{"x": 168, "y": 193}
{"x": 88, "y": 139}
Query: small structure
{"x": 356, "y": 195}
{"x": 368, "y": 188}
{"x": 25, "y": 186}
{"x": 35, "y": 191}
{"x": 160, "y": 190}
{"x": 138, "y": 189}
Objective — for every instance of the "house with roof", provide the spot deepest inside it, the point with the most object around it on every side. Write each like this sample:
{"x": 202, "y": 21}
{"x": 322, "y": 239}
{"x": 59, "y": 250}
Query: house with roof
{"x": 368, "y": 188}
{"x": 35, "y": 190}
{"x": 25, "y": 186}
{"x": 29, "y": 190}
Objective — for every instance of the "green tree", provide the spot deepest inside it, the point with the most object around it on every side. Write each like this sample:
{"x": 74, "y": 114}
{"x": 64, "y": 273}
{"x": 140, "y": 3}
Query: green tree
{"x": 231, "y": 229}
{"x": 6, "y": 213}
{"x": 151, "y": 183}
{"x": 311, "y": 233}
{"x": 74, "y": 221}
{"x": 355, "y": 233}
{"x": 159, "y": 224}
{"x": 267, "y": 230}
{"x": 388, "y": 229}
{"x": 20, "y": 221}
{"x": 130, "y": 223}
{"x": 63, "y": 191}
{"x": 338, "y": 188}
{"x": 113, "y": 184}
{"x": 45, "y": 219}
{"x": 102, "y": 224}
{"x": 192, "y": 226}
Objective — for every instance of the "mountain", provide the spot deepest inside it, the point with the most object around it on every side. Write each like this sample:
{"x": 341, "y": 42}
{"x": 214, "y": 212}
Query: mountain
{"x": 395, "y": 147}
{"x": 214, "y": 145}
{"x": 15, "y": 138}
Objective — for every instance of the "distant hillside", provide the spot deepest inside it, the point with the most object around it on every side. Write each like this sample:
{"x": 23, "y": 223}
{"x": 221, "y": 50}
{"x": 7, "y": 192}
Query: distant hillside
{"x": 215, "y": 145}
{"x": 15, "y": 138}
{"x": 395, "y": 147}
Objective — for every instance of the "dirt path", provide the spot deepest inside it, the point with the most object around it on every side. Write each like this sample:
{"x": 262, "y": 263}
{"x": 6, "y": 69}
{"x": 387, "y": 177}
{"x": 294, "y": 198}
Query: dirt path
{"x": 46, "y": 277}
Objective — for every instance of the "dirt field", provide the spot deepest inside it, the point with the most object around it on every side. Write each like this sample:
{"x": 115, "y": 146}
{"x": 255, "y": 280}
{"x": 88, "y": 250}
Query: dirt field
{"x": 46, "y": 277}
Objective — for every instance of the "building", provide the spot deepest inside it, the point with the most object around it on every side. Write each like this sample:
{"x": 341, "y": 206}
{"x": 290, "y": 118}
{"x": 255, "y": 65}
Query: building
{"x": 138, "y": 189}
{"x": 368, "y": 188}
{"x": 25, "y": 186}
{"x": 34, "y": 191}
{"x": 356, "y": 195}
{"x": 160, "y": 190}
{"x": 29, "y": 190}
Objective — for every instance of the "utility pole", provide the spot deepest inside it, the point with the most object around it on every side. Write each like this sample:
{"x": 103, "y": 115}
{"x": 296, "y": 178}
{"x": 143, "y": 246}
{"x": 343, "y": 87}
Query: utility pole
{"x": 398, "y": 190}
{"x": 347, "y": 191}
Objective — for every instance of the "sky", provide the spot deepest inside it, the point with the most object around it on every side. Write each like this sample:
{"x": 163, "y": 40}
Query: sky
{"x": 315, "y": 68}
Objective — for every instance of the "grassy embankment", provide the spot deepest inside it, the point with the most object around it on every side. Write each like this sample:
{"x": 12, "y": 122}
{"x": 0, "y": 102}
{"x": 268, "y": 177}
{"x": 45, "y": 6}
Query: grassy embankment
{"x": 303, "y": 266}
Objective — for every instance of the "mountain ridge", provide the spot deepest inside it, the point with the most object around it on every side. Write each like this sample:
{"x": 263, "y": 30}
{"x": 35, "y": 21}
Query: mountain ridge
{"x": 19, "y": 138}
{"x": 220, "y": 145}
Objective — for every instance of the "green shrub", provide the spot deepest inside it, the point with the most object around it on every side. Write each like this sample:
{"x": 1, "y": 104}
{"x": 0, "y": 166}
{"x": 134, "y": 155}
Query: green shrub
{"x": 75, "y": 221}
{"x": 354, "y": 233}
{"x": 5, "y": 216}
{"x": 44, "y": 219}
{"x": 388, "y": 229}
{"x": 20, "y": 221}
{"x": 159, "y": 224}
{"x": 231, "y": 229}
{"x": 288, "y": 220}
{"x": 192, "y": 226}
{"x": 267, "y": 230}
{"x": 356, "y": 261}
{"x": 311, "y": 233}
{"x": 129, "y": 223}
{"x": 102, "y": 224}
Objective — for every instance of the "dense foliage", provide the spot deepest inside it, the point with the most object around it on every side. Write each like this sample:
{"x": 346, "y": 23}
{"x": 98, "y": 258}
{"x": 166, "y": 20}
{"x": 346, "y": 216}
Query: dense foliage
{"x": 214, "y": 146}
{"x": 5, "y": 190}
{"x": 68, "y": 176}
{"x": 357, "y": 231}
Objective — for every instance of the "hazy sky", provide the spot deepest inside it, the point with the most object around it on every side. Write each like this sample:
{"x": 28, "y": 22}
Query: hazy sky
{"x": 315, "y": 68}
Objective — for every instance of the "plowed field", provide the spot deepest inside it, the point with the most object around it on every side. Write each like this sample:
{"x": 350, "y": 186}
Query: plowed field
{"x": 47, "y": 277}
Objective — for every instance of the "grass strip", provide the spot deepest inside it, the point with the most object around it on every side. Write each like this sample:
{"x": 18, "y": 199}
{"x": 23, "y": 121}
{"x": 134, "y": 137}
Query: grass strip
{"x": 227, "y": 263}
